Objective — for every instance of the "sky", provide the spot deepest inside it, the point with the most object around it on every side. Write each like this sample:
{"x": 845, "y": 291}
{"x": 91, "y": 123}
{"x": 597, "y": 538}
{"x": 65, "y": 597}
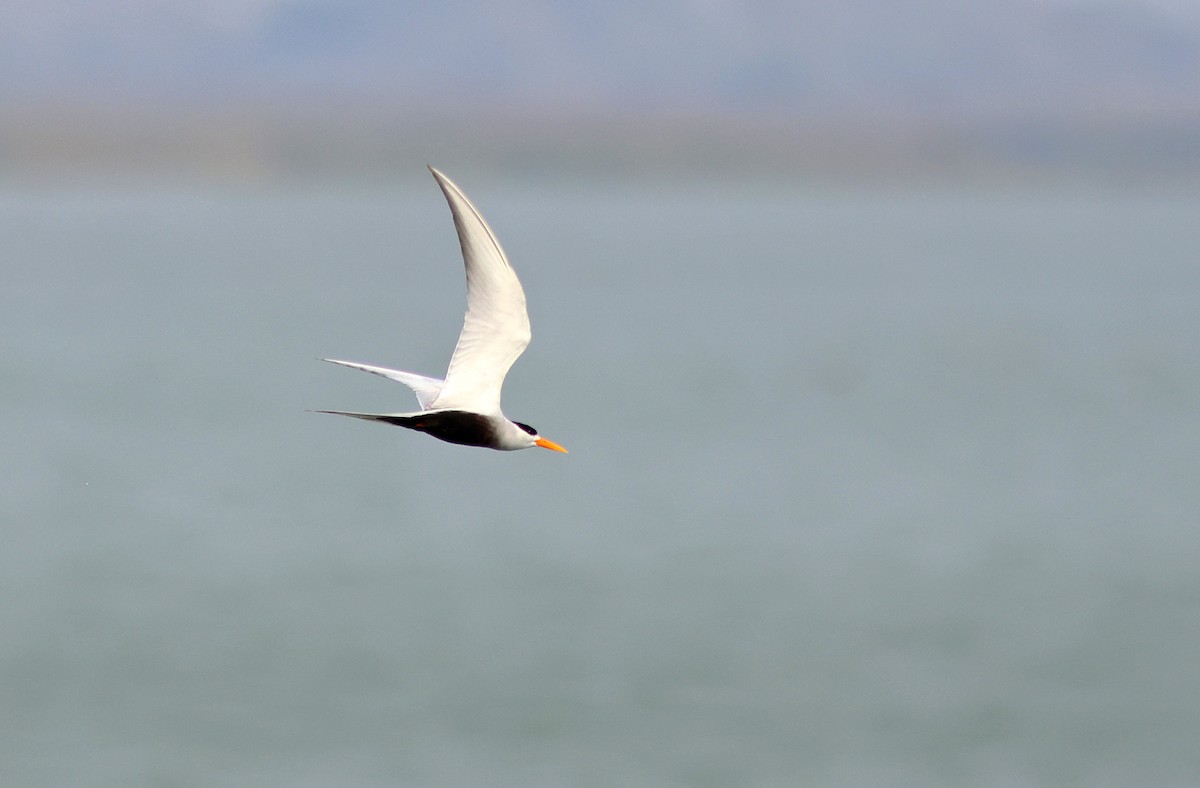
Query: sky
{"x": 916, "y": 56}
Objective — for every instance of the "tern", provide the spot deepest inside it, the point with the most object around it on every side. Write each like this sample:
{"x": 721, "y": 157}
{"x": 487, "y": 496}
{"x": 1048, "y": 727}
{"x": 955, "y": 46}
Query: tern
{"x": 465, "y": 407}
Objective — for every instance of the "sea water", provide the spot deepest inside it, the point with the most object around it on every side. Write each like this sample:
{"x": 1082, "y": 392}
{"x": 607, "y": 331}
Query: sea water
{"x": 889, "y": 485}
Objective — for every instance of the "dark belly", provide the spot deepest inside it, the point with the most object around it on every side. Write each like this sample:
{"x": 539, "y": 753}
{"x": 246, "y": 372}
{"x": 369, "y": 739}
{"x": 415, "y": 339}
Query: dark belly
{"x": 452, "y": 426}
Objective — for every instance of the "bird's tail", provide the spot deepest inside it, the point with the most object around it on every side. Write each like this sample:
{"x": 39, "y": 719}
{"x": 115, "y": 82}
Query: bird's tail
{"x": 398, "y": 419}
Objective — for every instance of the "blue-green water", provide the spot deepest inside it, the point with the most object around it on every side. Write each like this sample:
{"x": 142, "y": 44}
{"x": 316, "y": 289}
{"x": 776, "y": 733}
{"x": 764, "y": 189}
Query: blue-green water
{"x": 866, "y": 487}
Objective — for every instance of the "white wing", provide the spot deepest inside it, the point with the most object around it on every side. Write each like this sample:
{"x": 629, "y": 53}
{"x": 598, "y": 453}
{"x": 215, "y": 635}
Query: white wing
{"x": 496, "y": 328}
{"x": 426, "y": 389}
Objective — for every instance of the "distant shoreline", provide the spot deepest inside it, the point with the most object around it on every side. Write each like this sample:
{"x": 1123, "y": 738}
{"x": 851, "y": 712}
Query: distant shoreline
{"x": 341, "y": 139}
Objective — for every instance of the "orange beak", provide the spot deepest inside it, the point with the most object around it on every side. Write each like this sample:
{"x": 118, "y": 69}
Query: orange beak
{"x": 551, "y": 445}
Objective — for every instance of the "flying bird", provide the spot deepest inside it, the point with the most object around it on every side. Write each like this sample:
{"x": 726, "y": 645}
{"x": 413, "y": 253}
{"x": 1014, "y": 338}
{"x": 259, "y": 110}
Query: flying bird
{"x": 465, "y": 407}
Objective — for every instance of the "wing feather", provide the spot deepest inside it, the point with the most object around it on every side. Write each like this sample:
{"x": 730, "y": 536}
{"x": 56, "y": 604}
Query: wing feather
{"x": 426, "y": 389}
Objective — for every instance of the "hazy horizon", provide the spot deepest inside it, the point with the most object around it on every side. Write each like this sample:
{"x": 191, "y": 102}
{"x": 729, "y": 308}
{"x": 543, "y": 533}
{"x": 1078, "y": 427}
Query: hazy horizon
{"x": 274, "y": 89}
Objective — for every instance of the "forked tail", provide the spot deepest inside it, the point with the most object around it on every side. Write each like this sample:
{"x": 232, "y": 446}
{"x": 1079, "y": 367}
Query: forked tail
{"x": 399, "y": 419}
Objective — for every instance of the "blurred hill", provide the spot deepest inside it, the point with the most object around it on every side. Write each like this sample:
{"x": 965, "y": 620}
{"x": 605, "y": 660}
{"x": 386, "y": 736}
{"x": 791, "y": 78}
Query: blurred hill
{"x": 279, "y": 86}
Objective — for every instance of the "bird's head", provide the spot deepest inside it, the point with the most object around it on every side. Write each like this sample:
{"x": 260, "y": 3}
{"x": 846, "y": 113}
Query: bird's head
{"x": 538, "y": 440}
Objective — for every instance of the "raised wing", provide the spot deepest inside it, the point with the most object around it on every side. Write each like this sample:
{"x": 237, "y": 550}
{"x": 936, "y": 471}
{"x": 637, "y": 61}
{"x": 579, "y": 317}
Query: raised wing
{"x": 496, "y": 328}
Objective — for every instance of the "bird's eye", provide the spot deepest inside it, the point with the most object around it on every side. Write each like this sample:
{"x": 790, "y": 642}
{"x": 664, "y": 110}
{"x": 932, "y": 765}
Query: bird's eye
{"x": 526, "y": 427}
